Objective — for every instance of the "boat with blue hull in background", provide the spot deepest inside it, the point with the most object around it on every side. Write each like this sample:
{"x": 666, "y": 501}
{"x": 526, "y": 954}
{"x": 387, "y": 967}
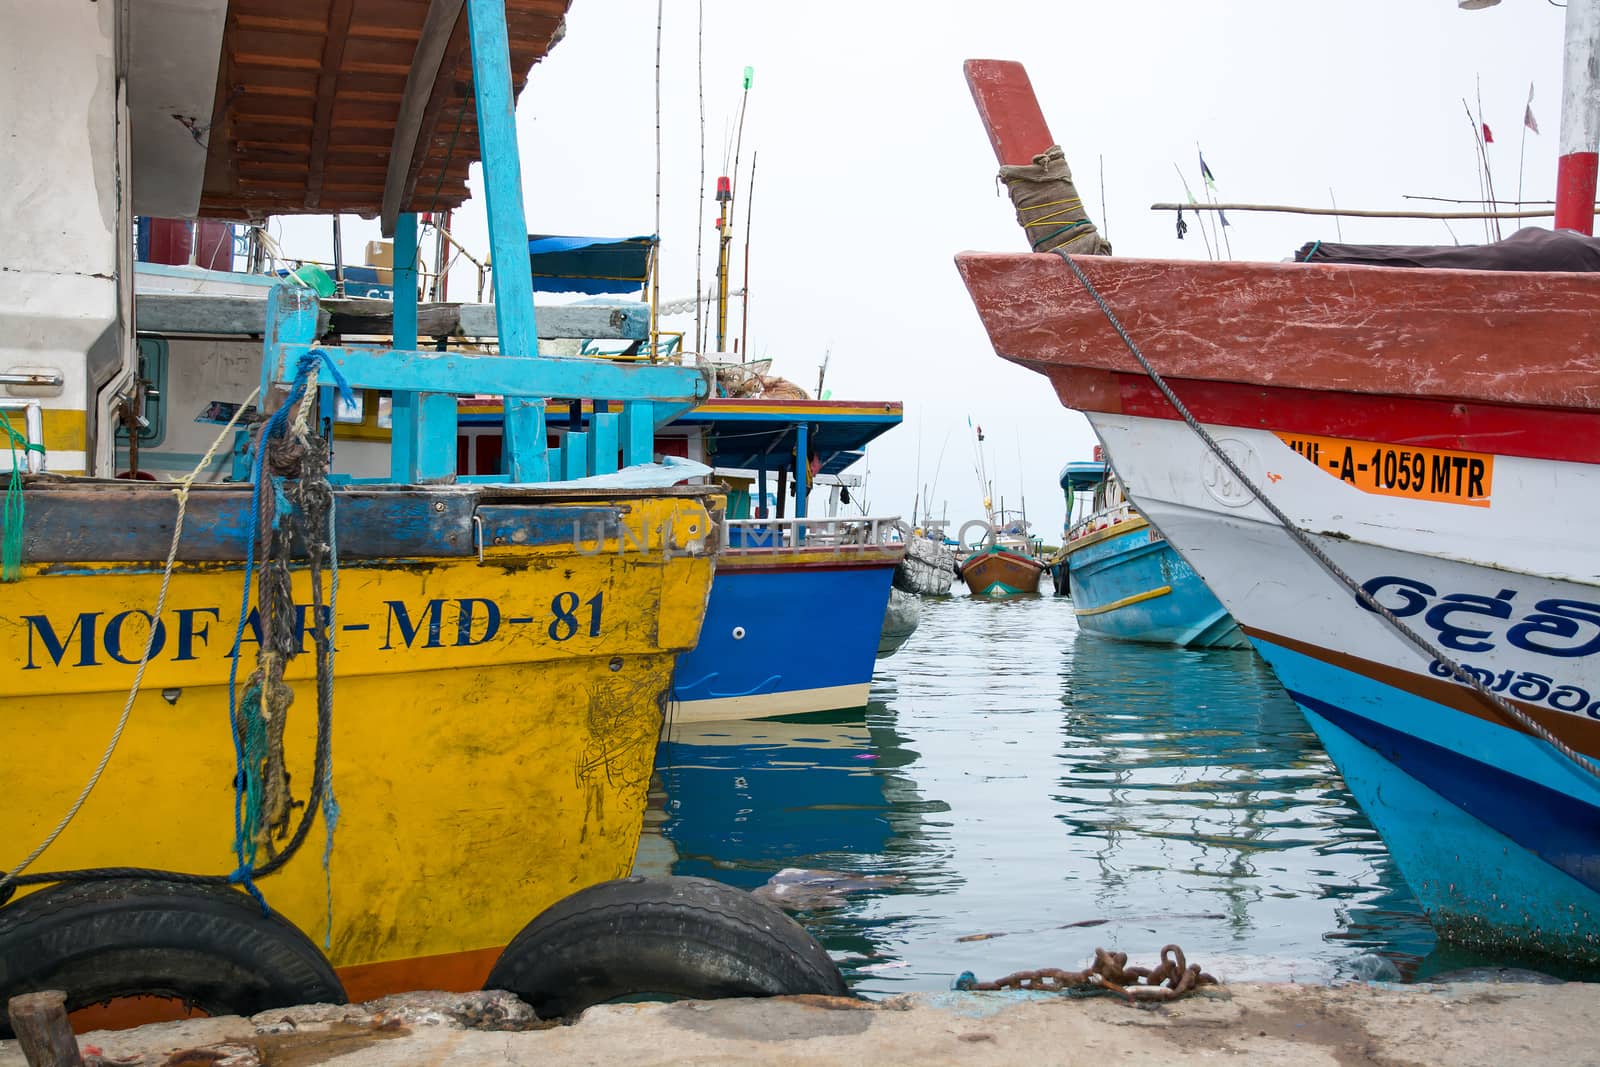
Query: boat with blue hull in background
{"x": 796, "y": 613}
{"x": 1125, "y": 580}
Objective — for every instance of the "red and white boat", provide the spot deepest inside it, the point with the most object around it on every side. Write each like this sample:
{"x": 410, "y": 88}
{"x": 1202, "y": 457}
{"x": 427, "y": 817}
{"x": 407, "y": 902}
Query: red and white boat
{"x": 1435, "y": 435}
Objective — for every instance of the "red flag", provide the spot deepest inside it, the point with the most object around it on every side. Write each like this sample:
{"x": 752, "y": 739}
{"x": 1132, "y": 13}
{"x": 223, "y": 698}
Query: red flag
{"x": 1488, "y": 138}
{"x": 1528, "y": 120}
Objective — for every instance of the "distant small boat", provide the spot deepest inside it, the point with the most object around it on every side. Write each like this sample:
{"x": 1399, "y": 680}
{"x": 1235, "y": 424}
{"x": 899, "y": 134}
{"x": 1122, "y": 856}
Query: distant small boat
{"x": 1008, "y": 564}
{"x": 1125, "y": 580}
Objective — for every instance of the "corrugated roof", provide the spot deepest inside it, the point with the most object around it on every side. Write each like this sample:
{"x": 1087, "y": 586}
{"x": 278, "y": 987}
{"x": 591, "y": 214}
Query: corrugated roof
{"x": 309, "y": 96}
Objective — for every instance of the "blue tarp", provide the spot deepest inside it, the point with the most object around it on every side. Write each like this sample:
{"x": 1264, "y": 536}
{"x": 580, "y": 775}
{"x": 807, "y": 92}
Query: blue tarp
{"x": 595, "y": 265}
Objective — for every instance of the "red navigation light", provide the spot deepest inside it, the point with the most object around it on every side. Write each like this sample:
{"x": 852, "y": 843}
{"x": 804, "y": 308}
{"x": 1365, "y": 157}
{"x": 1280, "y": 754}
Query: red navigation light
{"x": 724, "y": 189}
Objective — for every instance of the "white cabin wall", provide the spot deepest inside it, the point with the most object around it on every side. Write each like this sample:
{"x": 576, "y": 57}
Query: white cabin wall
{"x": 62, "y": 222}
{"x": 201, "y": 371}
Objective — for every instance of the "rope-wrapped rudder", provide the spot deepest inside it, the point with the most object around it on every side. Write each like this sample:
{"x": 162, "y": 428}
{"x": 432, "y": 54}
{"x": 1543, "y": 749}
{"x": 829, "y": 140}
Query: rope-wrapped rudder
{"x": 1049, "y": 208}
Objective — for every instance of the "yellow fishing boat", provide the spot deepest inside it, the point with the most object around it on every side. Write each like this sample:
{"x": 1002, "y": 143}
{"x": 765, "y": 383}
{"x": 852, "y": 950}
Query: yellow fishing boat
{"x": 299, "y": 736}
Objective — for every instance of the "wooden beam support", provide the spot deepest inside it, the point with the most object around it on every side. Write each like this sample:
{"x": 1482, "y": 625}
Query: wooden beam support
{"x": 603, "y": 442}
{"x": 338, "y": 31}
{"x": 493, "y": 88}
{"x": 655, "y": 390}
{"x": 246, "y": 316}
{"x": 407, "y": 445}
{"x": 43, "y": 1033}
{"x": 437, "y": 30}
{"x": 638, "y": 433}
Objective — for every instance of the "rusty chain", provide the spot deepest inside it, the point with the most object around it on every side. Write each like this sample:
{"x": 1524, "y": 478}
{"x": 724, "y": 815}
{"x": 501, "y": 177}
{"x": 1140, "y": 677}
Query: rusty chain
{"x": 1174, "y": 977}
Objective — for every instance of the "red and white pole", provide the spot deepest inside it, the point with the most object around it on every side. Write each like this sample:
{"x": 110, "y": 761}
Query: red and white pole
{"x": 1580, "y": 118}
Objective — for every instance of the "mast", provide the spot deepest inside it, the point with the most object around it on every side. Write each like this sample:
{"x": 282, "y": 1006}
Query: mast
{"x": 724, "y": 239}
{"x": 983, "y": 482}
{"x": 744, "y": 301}
{"x": 1580, "y": 118}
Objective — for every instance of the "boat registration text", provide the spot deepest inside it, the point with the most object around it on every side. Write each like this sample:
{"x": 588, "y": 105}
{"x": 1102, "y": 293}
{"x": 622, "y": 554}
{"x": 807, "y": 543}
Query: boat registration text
{"x": 1438, "y": 474}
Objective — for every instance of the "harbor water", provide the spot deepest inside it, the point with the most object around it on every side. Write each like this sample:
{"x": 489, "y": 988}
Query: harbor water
{"x": 1019, "y": 793}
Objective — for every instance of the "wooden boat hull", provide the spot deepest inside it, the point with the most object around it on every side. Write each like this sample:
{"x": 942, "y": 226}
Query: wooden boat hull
{"x": 787, "y": 632}
{"x": 1127, "y": 582}
{"x": 999, "y": 572}
{"x": 494, "y": 722}
{"x": 1436, "y": 435}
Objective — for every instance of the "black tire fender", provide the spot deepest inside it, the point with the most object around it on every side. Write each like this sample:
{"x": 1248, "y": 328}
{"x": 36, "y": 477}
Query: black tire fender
{"x": 685, "y": 937}
{"x": 209, "y": 946}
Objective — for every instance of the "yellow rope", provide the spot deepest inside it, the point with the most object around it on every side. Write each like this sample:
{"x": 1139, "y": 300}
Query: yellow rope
{"x": 1074, "y": 203}
{"x": 182, "y": 493}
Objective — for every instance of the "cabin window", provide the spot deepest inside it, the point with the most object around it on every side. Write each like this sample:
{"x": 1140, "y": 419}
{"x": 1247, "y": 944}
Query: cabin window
{"x": 152, "y": 371}
{"x": 352, "y": 413}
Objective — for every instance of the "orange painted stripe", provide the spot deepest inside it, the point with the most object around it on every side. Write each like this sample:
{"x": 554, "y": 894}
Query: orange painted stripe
{"x": 452, "y": 972}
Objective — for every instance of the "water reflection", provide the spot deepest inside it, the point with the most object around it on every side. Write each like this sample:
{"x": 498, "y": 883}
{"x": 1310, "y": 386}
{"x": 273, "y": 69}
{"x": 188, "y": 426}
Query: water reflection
{"x": 741, "y": 801}
{"x": 1189, "y": 777}
{"x": 1041, "y": 792}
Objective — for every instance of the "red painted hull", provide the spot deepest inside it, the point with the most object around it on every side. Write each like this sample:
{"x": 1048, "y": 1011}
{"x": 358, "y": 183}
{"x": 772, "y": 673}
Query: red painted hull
{"x": 1500, "y": 362}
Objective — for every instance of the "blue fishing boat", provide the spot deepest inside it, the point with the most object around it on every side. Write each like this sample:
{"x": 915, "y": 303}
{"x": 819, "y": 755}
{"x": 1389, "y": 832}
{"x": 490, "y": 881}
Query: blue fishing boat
{"x": 1125, "y": 580}
{"x": 798, "y": 605}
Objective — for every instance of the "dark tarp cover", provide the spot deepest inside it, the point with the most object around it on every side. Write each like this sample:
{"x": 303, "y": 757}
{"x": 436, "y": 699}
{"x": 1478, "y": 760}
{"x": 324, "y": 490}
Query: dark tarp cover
{"x": 594, "y": 265}
{"x": 1531, "y": 248}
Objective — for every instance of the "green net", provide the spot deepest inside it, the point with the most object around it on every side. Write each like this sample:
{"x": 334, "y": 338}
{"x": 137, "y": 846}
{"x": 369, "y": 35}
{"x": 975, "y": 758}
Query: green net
{"x": 11, "y": 542}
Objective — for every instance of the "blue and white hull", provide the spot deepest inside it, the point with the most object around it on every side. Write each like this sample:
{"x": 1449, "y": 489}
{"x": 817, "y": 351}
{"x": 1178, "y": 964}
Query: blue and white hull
{"x": 1496, "y": 831}
{"x": 787, "y": 634}
{"x": 1127, "y": 582}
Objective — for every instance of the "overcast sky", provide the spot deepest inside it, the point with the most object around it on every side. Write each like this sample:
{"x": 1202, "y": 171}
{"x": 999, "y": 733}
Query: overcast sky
{"x": 874, "y": 169}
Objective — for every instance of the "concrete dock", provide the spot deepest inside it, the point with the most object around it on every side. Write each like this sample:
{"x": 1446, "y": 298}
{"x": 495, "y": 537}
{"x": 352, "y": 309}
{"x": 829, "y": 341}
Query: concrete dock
{"x": 1303, "y": 1026}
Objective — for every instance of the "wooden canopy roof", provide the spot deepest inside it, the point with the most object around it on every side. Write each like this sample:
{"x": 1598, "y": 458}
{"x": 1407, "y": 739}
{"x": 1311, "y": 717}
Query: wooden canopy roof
{"x": 322, "y": 105}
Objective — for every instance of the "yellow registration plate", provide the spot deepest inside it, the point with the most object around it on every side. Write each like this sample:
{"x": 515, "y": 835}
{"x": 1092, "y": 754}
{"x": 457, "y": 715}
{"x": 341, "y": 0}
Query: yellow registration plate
{"x": 1440, "y": 474}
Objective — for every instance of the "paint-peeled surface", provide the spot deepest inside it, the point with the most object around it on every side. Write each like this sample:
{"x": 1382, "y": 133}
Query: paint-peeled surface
{"x": 494, "y": 732}
{"x": 1509, "y": 337}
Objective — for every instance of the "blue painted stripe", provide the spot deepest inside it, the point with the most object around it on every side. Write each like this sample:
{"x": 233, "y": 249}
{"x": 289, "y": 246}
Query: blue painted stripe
{"x": 1477, "y": 739}
{"x": 1496, "y": 833}
{"x": 1561, "y": 830}
{"x": 1476, "y": 884}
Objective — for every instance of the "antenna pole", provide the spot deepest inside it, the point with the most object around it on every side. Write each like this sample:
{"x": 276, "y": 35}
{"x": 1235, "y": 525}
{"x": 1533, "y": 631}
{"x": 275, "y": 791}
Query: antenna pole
{"x": 699, "y": 240}
{"x": 744, "y": 301}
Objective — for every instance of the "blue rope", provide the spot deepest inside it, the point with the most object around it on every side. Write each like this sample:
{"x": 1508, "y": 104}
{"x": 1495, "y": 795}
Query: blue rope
{"x": 244, "y": 846}
{"x": 1314, "y": 246}
{"x": 330, "y": 803}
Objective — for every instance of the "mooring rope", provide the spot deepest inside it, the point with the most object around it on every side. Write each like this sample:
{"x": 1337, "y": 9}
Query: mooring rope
{"x": 260, "y": 776}
{"x": 185, "y": 484}
{"x": 321, "y": 771}
{"x": 1366, "y": 599}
